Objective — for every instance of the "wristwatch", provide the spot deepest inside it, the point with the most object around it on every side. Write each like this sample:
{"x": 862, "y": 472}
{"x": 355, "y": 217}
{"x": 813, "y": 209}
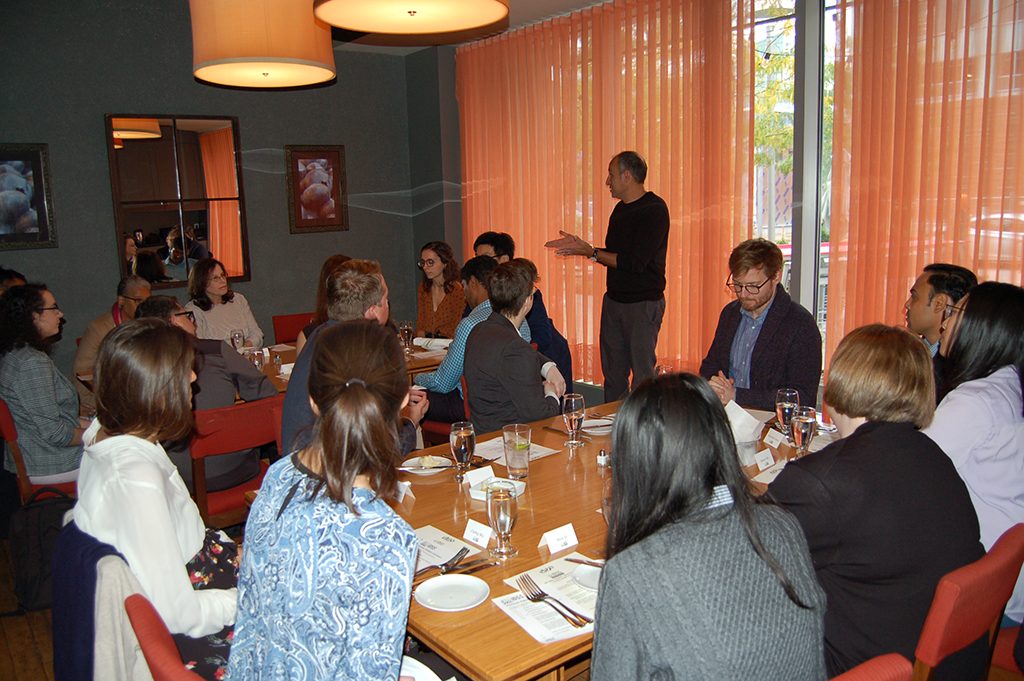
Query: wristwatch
{"x": 593, "y": 256}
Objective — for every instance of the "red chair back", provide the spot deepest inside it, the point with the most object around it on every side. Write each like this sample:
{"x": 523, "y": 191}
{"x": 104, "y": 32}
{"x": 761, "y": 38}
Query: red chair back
{"x": 288, "y": 326}
{"x": 891, "y": 667}
{"x": 223, "y": 431}
{"x": 158, "y": 647}
{"x": 969, "y": 602}
{"x": 1004, "y": 664}
{"x": 9, "y": 430}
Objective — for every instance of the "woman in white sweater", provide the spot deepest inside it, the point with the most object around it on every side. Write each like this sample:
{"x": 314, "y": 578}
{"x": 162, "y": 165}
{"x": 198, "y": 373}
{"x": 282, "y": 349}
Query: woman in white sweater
{"x": 131, "y": 496}
{"x": 218, "y": 309}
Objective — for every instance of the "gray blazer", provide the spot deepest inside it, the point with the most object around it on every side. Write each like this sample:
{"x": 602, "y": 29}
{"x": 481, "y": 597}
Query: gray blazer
{"x": 503, "y": 377}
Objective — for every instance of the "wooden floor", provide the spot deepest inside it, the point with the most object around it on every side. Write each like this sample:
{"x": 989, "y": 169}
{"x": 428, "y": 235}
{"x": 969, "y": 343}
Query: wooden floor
{"x": 26, "y": 641}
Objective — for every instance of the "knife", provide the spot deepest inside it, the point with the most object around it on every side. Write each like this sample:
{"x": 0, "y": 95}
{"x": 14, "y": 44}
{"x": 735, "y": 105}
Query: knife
{"x": 475, "y": 568}
{"x": 410, "y": 469}
{"x": 562, "y": 432}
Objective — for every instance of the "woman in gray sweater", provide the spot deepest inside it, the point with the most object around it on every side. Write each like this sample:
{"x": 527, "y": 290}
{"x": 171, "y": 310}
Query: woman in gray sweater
{"x": 702, "y": 582}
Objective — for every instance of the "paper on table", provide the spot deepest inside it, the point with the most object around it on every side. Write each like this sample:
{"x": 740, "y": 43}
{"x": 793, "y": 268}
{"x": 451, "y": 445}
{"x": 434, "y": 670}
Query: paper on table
{"x": 744, "y": 426}
{"x": 431, "y": 354}
{"x": 766, "y": 476}
{"x": 541, "y": 621}
{"x": 436, "y": 546}
{"x": 286, "y": 369}
{"x": 494, "y": 450}
{"x": 281, "y": 347}
{"x": 432, "y": 343}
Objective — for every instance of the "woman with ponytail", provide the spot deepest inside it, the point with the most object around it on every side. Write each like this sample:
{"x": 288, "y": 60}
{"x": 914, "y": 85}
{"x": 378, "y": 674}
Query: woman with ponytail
{"x": 325, "y": 581}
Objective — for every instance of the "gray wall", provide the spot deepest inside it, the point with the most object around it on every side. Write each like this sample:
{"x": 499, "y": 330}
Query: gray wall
{"x": 69, "y": 63}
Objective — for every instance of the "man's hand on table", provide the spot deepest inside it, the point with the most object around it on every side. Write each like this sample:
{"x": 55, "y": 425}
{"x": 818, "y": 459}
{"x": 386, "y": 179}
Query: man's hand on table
{"x": 724, "y": 387}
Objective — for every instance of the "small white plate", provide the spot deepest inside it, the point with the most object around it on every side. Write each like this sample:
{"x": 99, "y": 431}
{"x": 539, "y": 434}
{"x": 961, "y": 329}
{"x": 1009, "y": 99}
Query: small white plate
{"x": 452, "y": 593}
{"x": 597, "y": 426}
{"x": 431, "y": 464}
{"x": 415, "y": 669}
{"x": 587, "y": 576}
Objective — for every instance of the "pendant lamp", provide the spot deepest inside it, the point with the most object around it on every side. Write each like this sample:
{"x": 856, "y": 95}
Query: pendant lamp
{"x": 260, "y": 43}
{"x": 410, "y": 17}
{"x": 135, "y": 128}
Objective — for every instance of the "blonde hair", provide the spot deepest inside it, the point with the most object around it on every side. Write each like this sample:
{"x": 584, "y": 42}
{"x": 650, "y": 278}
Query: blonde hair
{"x": 883, "y": 373}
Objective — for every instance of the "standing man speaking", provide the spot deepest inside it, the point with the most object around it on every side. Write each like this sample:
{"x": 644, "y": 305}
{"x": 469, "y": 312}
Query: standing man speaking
{"x": 634, "y": 253}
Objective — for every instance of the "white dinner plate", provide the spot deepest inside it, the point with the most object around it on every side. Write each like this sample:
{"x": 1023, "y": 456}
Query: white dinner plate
{"x": 597, "y": 426}
{"x": 415, "y": 669}
{"x": 452, "y": 593}
{"x": 432, "y": 464}
{"x": 587, "y": 576}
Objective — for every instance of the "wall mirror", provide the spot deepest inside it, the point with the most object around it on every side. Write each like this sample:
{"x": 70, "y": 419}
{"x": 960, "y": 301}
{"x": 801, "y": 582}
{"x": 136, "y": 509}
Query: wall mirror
{"x": 177, "y": 189}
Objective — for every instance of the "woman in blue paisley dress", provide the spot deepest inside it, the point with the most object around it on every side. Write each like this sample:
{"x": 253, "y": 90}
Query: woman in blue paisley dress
{"x": 324, "y": 586}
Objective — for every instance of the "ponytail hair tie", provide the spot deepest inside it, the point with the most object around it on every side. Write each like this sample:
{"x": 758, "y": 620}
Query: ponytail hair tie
{"x": 355, "y": 381}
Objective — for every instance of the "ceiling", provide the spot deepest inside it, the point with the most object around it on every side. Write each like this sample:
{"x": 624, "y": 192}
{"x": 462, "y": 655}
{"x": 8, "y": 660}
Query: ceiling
{"x": 521, "y": 13}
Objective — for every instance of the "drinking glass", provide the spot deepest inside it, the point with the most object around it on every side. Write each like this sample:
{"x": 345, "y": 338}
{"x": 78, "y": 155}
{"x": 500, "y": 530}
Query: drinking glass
{"x": 664, "y": 370}
{"x": 572, "y": 411}
{"x": 804, "y": 426}
{"x": 237, "y": 339}
{"x": 463, "y": 442}
{"x": 258, "y": 359}
{"x": 405, "y": 329}
{"x": 502, "y": 510}
{"x": 787, "y": 401}
{"x": 517, "y": 450}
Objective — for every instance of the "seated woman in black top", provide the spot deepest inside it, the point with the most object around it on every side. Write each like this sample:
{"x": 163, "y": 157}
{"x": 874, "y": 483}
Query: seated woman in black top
{"x": 883, "y": 509}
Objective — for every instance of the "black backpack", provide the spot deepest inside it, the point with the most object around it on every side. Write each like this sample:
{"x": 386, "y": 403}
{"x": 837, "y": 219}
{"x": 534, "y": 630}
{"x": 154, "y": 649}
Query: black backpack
{"x": 32, "y": 535}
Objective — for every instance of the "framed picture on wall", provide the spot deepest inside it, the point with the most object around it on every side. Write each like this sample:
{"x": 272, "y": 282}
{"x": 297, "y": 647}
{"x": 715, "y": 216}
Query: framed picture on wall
{"x": 317, "y": 201}
{"x": 26, "y": 205}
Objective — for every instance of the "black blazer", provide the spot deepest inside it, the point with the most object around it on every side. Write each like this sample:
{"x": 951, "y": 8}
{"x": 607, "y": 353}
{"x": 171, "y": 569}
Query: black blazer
{"x": 503, "y": 377}
{"x": 787, "y": 353}
{"x": 886, "y": 516}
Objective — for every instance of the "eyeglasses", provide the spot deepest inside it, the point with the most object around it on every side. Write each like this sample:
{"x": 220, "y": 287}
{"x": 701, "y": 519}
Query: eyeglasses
{"x": 218, "y": 277}
{"x": 950, "y": 310}
{"x": 132, "y": 298}
{"x": 54, "y": 307}
{"x": 749, "y": 288}
{"x": 186, "y": 313}
{"x": 429, "y": 262}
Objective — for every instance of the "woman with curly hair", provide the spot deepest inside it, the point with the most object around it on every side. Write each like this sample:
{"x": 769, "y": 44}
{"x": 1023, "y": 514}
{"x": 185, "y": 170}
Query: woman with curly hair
{"x": 217, "y": 308}
{"x": 440, "y": 298}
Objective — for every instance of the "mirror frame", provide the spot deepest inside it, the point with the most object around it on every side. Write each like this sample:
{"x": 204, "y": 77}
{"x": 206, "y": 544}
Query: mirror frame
{"x": 121, "y": 226}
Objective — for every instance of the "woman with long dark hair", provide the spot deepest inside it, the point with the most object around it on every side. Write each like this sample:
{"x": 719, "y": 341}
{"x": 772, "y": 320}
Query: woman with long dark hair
{"x": 701, "y": 581}
{"x": 218, "y": 309}
{"x": 326, "y": 577}
{"x": 440, "y": 298}
{"x": 980, "y": 423}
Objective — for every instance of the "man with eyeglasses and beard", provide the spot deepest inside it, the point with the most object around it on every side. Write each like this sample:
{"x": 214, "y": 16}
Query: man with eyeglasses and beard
{"x": 764, "y": 340}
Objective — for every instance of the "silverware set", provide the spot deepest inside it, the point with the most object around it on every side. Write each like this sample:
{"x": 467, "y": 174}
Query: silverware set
{"x": 535, "y": 594}
{"x": 445, "y": 566}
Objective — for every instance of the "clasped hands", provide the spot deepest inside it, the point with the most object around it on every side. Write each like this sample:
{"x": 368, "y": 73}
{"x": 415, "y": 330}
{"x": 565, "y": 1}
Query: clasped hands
{"x": 570, "y": 244}
{"x": 724, "y": 387}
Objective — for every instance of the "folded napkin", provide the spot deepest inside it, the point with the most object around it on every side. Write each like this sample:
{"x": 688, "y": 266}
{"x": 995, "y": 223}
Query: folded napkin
{"x": 745, "y": 428}
{"x": 432, "y": 343}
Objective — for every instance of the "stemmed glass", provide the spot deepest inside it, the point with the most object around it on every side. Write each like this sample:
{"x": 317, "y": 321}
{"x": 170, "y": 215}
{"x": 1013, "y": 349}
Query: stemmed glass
{"x": 463, "y": 443}
{"x": 804, "y": 426}
{"x": 573, "y": 408}
{"x": 787, "y": 401}
{"x": 237, "y": 339}
{"x": 502, "y": 510}
{"x": 405, "y": 328}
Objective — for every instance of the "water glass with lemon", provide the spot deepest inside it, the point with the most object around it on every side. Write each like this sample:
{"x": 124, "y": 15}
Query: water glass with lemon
{"x": 517, "y": 450}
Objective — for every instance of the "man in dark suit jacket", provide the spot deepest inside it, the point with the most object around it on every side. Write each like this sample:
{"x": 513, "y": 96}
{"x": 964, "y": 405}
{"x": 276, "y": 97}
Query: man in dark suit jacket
{"x": 764, "y": 341}
{"x": 506, "y": 378}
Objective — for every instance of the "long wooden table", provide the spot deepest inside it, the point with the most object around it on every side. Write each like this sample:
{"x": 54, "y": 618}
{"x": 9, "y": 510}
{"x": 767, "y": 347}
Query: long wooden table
{"x": 419, "y": 362}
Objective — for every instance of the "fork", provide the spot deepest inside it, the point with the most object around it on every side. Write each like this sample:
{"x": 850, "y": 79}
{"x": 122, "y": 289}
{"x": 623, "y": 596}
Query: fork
{"x": 447, "y": 565}
{"x": 535, "y": 594}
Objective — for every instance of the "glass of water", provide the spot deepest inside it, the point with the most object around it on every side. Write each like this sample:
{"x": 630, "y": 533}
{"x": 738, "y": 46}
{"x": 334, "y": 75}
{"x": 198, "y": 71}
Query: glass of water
{"x": 502, "y": 511}
{"x": 573, "y": 408}
{"x": 406, "y": 329}
{"x": 787, "y": 401}
{"x": 516, "y": 437}
{"x": 237, "y": 339}
{"x": 804, "y": 426}
{"x": 463, "y": 443}
{"x": 258, "y": 359}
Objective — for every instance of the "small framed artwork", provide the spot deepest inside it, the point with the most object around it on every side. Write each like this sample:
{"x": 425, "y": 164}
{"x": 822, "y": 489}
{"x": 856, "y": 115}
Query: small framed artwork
{"x": 317, "y": 201}
{"x": 26, "y": 205}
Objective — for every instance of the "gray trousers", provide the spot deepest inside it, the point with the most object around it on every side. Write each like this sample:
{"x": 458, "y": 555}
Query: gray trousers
{"x": 629, "y": 335}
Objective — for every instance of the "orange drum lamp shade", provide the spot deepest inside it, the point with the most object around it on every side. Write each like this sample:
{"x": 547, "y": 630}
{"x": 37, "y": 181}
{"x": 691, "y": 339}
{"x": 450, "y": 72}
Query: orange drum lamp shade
{"x": 135, "y": 128}
{"x": 410, "y": 16}
{"x": 260, "y": 43}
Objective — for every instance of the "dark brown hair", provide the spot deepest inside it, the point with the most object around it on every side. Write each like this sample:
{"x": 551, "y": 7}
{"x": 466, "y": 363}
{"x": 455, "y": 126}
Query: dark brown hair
{"x": 143, "y": 380}
{"x": 357, "y": 380}
{"x": 451, "y": 268}
{"x": 510, "y": 285}
{"x": 756, "y": 253}
{"x": 199, "y": 278}
{"x": 353, "y": 288}
{"x": 18, "y": 304}
{"x": 326, "y": 270}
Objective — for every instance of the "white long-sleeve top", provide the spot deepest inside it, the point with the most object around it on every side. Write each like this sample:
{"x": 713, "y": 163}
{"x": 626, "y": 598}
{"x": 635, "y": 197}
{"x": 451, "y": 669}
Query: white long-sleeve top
{"x": 219, "y": 320}
{"x": 131, "y": 496}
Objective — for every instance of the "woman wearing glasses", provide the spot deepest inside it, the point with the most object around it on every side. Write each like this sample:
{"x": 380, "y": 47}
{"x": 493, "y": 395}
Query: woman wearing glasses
{"x": 980, "y": 423}
{"x": 220, "y": 311}
{"x": 41, "y": 399}
{"x": 440, "y": 298}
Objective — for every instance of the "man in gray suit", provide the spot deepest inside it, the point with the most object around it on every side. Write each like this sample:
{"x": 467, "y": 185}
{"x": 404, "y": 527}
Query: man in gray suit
{"x": 508, "y": 381}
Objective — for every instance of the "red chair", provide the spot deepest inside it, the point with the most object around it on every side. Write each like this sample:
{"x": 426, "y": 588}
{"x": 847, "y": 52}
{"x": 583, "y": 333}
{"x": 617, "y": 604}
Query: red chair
{"x": 158, "y": 647}
{"x": 1004, "y": 664}
{"x": 969, "y": 602}
{"x": 25, "y": 486}
{"x": 288, "y": 326}
{"x": 222, "y": 431}
{"x": 437, "y": 432}
{"x": 891, "y": 667}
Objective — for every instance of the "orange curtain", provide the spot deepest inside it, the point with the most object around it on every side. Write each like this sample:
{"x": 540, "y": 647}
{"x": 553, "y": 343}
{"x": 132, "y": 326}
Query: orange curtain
{"x": 218, "y": 150}
{"x": 928, "y": 150}
{"x": 543, "y": 109}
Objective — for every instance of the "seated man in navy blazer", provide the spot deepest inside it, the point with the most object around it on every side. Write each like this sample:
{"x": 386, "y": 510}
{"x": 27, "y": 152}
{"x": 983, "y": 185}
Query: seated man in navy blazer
{"x": 506, "y": 378}
{"x": 764, "y": 341}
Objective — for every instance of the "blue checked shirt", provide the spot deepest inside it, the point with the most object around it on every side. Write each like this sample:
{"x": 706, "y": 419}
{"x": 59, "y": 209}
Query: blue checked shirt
{"x": 446, "y": 378}
{"x": 743, "y": 346}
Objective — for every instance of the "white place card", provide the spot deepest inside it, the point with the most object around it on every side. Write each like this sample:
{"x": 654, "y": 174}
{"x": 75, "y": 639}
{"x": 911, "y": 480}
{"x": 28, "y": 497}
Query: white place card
{"x": 764, "y": 459}
{"x": 744, "y": 426}
{"x": 774, "y": 438}
{"x": 478, "y": 475}
{"x": 436, "y": 546}
{"x": 405, "y": 488}
{"x": 477, "y": 533}
{"x": 559, "y": 538}
{"x": 769, "y": 474}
